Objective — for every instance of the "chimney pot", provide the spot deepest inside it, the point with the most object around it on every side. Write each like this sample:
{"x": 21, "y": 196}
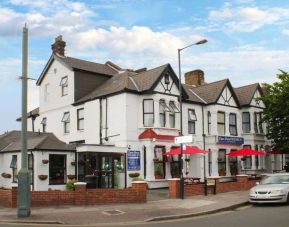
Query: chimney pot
{"x": 58, "y": 47}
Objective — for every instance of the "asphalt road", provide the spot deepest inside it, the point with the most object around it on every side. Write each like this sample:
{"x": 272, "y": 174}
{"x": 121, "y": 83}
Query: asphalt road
{"x": 249, "y": 216}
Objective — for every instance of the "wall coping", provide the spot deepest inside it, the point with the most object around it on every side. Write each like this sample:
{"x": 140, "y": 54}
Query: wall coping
{"x": 14, "y": 185}
{"x": 213, "y": 177}
{"x": 80, "y": 183}
{"x": 173, "y": 179}
{"x": 242, "y": 175}
{"x": 139, "y": 182}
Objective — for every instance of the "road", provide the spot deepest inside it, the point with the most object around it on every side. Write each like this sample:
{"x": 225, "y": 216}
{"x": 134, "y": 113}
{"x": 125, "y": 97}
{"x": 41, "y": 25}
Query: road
{"x": 249, "y": 216}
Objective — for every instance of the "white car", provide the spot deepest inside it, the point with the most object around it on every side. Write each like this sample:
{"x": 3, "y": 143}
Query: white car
{"x": 273, "y": 188}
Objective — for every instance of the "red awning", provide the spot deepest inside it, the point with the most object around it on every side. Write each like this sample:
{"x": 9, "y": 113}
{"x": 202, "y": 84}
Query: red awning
{"x": 276, "y": 152}
{"x": 151, "y": 134}
{"x": 245, "y": 152}
{"x": 187, "y": 150}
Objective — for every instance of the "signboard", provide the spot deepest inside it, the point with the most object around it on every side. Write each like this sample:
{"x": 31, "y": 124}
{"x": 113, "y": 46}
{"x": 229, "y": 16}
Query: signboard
{"x": 184, "y": 139}
{"x": 133, "y": 160}
{"x": 230, "y": 140}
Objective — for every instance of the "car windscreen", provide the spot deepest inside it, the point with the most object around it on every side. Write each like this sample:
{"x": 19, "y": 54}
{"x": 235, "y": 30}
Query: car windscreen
{"x": 275, "y": 180}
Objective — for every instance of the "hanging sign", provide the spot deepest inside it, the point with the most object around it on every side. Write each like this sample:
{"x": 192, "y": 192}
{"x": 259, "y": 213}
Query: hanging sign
{"x": 133, "y": 160}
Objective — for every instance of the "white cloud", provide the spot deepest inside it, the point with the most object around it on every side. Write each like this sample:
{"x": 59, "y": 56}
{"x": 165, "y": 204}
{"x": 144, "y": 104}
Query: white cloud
{"x": 221, "y": 14}
{"x": 285, "y": 31}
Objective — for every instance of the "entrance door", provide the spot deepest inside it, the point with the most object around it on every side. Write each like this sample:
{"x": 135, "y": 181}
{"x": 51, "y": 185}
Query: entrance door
{"x": 106, "y": 172}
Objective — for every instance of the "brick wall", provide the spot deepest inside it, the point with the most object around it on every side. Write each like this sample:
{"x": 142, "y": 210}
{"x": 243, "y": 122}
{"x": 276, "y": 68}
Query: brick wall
{"x": 81, "y": 196}
{"x": 242, "y": 183}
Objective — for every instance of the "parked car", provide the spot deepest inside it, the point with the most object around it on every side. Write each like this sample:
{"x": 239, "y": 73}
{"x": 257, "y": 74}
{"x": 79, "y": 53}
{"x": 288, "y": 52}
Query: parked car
{"x": 273, "y": 188}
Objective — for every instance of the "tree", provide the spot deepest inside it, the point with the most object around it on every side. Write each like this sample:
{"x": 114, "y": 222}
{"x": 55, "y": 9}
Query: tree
{"x": 276, "y": 113}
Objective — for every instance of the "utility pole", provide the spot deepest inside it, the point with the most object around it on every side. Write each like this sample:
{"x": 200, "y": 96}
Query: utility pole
{"x": 23, "y": 197}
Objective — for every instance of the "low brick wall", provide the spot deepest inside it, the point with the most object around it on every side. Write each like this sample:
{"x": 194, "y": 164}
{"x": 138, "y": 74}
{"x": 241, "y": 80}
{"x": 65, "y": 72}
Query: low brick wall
{"x": 81, "y": 196}
{"x": 243, "y": 183}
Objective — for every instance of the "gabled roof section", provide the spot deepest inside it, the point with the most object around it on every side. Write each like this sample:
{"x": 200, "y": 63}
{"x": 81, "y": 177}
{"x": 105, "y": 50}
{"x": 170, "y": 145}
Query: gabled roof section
{"x": 32, "y": 113}
{"x": 192, "y": 96}
{"x": 130, "y": 81}
{"x": 211, "y": 92}
{"x": 11, "y": 141}
{"x": 246, "y": 93}
{"x": 78, "y": 64}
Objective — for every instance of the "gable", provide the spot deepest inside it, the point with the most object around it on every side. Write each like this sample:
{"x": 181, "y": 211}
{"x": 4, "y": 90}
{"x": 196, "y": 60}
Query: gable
{"x": 227, "y": 98}
{"x": 255, "y": 102}
{"x": 167, "y": 85}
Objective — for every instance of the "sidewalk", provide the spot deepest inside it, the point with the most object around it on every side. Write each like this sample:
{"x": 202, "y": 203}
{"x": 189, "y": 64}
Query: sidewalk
{"x": 129, "y": 213}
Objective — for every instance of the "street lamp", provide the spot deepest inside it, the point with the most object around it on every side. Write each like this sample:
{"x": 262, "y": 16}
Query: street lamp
{"x": 181, "y": 115}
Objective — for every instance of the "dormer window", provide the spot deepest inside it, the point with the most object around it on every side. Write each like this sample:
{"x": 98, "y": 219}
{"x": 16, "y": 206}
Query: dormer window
{"x": 167, "y": 79}
{"x": 64, "y": 85}
{"x": 44, "y": 122}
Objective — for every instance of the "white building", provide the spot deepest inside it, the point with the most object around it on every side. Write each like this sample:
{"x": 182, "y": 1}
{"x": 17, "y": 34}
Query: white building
{"x": 123, "y": 120}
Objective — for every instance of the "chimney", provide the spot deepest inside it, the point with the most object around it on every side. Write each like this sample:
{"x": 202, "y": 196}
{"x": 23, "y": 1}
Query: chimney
{"x": 58, "y": 47}
{"x": 195, "y": 77}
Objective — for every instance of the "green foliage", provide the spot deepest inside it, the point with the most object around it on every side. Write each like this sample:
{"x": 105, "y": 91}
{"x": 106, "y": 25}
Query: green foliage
{"x": 70, "y": 185}
{"x": 276, "y": 114}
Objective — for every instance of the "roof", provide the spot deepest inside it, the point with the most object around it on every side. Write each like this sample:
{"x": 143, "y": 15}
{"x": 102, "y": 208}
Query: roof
{"x": 128, "y": 81}
{"x": 11, "y": 141}
{"x": 32, "y": 113}
{"x": 246, "y": 93}
{"x": 74, "y": 63}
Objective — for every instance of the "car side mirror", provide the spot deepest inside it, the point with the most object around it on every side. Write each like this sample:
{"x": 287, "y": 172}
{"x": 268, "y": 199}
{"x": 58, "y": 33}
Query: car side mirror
{"x": 257, "y": 183}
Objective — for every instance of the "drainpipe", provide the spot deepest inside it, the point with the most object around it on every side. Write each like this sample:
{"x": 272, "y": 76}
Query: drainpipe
{"x": 204, "y": 141}
{"x": 100, "y": 121}
{"x": 106, "y": 117}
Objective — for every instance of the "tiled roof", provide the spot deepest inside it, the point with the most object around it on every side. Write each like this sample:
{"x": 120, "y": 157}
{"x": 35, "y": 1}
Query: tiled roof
{"x": 127, "y": 80}
{"x": 11, "y": 141}
{"x": 192, "y": 96}
{"x": 210, "y": 92}
{"x": 32, "y": 113}
{"x": 88, "y": 66}
{"x": 246, "y": 93}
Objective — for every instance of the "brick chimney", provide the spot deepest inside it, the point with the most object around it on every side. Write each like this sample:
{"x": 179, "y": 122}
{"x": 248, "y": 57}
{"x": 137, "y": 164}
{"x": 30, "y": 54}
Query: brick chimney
{"x": 195, "y": 77}
{"x": 58, "y": 47}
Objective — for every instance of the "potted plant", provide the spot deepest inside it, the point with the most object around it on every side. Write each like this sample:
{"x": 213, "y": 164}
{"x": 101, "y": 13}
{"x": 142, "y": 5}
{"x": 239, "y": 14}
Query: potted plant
{"x": 133, "y": 175}
{"x": 45, "y": 161}
{"x": 70, "y": 185}
{"x": 222, "y": 172}
{"x": 42, "y": 177}
{"x": 71, "y": 176}
{"x": 158, "y": 172}
{"x": 6, "y": 175}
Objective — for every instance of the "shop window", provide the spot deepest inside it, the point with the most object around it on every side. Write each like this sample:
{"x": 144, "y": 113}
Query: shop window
{"x": 57, "y": 169}
{"x": 80, "y": 119}
{"x": 148, "y": 113}
{"x": 175, "y": 165}
{"x": 222, "y": 162}
{"x": 192, "y": 118}
{"x": 64, "y": 85}
{"x": 247, "y": 160}
{"x": 44, "y": 123}
{"x": 221, "y": 123}
{"x": 246, "y": 126}
{"x": 66, "y": 122}
{"x": 13, "y": 166}
{"x": 159, "y": 162}
{"x": 233, "y": 124}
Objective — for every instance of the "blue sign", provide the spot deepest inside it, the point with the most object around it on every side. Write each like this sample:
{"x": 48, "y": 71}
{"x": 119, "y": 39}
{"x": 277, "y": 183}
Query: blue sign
{"x": 133, "y": 160}
{"x": 230, "y": 140}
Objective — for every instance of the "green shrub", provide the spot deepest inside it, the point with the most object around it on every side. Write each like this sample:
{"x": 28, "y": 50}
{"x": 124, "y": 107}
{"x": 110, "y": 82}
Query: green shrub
{"x": 70, "y": 185}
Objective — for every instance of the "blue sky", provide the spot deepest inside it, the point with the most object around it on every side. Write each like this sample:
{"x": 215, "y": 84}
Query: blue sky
{"x": 248, "y": 40}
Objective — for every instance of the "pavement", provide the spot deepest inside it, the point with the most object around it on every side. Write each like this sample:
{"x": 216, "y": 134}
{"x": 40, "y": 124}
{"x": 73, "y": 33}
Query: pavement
{"x": 158, "y": 207}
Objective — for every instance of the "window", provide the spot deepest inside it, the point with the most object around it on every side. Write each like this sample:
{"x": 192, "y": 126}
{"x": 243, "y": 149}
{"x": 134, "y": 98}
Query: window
{"x": 221, "y": 123}
{"x": 247, "y": 159}
{"x": 209, "y": 123}
{"x": 64, "y": 85}
{"x": 159, "y": 163}
{"x": 192, "y": 118}
{"x": 172, "y": 116}
{"x": 66, "y": 122}
{"x": 44, "y": 122}
{"x": 173, "y": 107}
{"x": 167, "y": 79}
{"x": 258, "y": 126}
{"x": 256, "y": 157}
{"x": 163, "y": 107}
{"x": 80, "y": 119}
{"x": 246, "y": 126}
{"x": 57, "y": 169}
{"x": 233, "y": 124}
{"x": 222, "y": 162}
{"x": 148, "y": 112}
{"x": 13, "y": 165}
{"x": 46, "y": 92}
{"x": 175, "y": 165}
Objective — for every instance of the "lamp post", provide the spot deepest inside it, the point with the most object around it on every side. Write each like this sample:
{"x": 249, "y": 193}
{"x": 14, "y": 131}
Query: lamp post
{"x": 181, "y": 115}
{"x": 23, "y": 198}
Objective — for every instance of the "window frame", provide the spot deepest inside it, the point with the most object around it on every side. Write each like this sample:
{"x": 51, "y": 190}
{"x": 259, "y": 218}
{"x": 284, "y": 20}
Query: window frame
{"x": 192, "y": 121}
{"x": 61, "y": 180}
{"x": 223, "y": 124}
{"x": 44, "y": 123}
{"x": 148, "y": 113}
{"x": 66, "y": 122}
{"x": 247, "y": 123}
{"x": 160, "y": 161}
{"x": 80, "y": 119}
{"x": 64, "y": 86}
{"x": 233, "y": 126}
{"x": 172, "y": 115}
{"x": 162, "y": 112}
{"x": 209, "y": 117}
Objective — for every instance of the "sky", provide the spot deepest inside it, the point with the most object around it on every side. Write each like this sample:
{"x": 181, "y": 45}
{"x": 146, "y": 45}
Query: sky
{"x": 248, "y": 40}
